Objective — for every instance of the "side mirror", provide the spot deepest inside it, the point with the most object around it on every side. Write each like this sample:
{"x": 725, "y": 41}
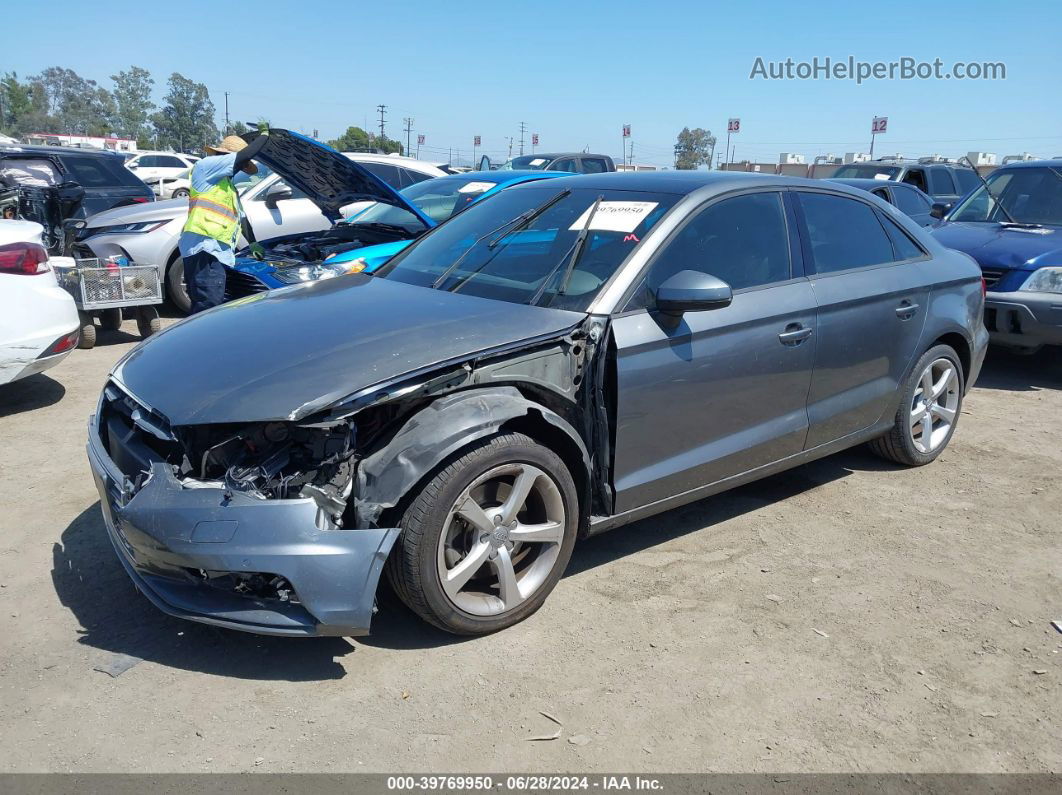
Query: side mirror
{"x": 277, "y": 194}
{"x": 939, "y": 209}
{"x": 692, "y": 291}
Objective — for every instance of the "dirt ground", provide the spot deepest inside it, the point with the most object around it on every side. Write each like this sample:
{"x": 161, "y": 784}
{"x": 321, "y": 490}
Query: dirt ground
{"x": 844, "y": 616}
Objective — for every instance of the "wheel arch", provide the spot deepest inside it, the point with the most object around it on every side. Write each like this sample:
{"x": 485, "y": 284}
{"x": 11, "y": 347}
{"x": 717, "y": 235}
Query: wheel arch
{"x": 958, "y": 343}
{"x": 445, "y": 428}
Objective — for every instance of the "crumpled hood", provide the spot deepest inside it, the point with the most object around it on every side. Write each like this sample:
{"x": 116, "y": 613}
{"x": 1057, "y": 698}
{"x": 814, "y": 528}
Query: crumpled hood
{"x": 330, "y": 180}
{"x": 135, "y": 213}
{"x": 996, "y": 246}
{"x": 283, "y": 354}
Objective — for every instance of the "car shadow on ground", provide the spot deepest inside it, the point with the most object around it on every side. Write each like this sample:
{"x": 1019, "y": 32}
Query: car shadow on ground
{"x": 92, "y": 584}
{"x": 396, "y": 627}
{"x": 1011, "y": 372}
{"x": 33, "y": 392}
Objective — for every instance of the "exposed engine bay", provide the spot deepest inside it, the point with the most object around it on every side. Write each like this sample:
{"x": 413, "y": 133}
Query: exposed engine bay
{"x": 316, "y": 247}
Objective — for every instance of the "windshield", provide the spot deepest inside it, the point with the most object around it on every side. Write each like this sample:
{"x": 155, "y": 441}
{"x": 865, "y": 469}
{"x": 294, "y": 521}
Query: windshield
{"x": 243, "y": 181}
{"x": 528, "y": 162}
{"x": 1030, "y": 195}
{"x": 529, "y": 262}
{"x": 866, "y": 171}
{"x": 436, "y": 198}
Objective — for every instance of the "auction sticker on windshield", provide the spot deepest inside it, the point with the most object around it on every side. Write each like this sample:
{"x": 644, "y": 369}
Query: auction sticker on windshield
{"x": 475, "y": 187}
{"x": 612, "y": 216}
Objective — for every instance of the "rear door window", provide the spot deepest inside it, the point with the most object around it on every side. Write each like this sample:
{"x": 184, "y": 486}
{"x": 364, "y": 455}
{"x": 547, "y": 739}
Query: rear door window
{"x": 916, "y": 177}
{"x": 168, "y": 161}
{"x": 909, "y": 201}
{"x": 902, "y": 243}
{"x": 568, "y": 164}
{"x": 103, "y": 171}
{"x": 940, "y": 181}
{"x": 843, "y": 233}
{"x": 385, "y": 171}
{"x": 410, "y": 177}
{"x": 967, "y": 179}
{"x": 594, "y": 165}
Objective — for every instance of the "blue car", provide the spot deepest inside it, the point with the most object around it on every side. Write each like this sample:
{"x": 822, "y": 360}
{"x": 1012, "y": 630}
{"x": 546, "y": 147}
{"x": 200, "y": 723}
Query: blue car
{"x": 366, "y": 240}
{"x": 1013, "y": 228}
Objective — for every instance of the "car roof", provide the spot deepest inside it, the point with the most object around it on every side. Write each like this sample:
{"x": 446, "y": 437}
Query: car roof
{"x": 423, "y": 166}
{"x": 867, "y": 183}
{"x": 555, "y": 155}
{"x": 683, "y": 182}
{"x": 498, "y": 177}
{"x": 1047, "y": 163}
{"x": 31, "y": 149}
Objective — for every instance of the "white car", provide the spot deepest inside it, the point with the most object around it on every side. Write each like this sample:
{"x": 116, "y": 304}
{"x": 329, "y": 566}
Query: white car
{"x": 148, "y": 233}
{"x": 38, "y": 319}
{"x": 171, "y": 187}
{"x": 154, "y": 165}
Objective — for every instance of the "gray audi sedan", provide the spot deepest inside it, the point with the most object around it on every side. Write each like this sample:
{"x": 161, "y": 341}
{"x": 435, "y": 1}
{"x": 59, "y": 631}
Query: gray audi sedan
{"x": 564, "y": 358}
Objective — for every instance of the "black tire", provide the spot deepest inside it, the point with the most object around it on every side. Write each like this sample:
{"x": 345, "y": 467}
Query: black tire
{"x": 412, "y": 566}
{"x": 898, "y": 445}
{"x": 87, "y": 338}
{"x": 147, "y": 321}
{"x": 180, "y": 193}
{"x": 111, "y": 319}
{"x": 175, "y": 289}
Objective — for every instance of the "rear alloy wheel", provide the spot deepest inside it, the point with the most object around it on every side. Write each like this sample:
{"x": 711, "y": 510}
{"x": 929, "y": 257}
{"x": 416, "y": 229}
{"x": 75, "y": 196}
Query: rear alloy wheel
{"x": 488, "y": 538}
{"x": 180, "y": 193}
{"x": 928, "y": 412}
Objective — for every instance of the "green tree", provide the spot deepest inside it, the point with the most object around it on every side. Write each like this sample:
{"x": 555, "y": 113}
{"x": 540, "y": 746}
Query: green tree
{"x": 186, "y": 121}
{"x": 132, "y": 98}
{"x": 16, "y": 102}
{"x": 237, "y": 128}
{"x": 355, "y": 139}
{"x": 76, "y": 104}
{"x": 694, "y": 148}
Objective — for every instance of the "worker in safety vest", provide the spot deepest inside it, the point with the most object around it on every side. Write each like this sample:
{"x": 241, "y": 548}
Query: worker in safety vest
{"x": 214, "y": 216}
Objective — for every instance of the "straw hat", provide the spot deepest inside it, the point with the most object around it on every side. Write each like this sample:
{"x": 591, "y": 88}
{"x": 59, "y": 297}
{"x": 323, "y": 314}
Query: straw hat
{"x": 229, "y": 145}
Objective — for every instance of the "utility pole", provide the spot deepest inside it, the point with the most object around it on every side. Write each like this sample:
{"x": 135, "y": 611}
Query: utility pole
{"x": 510, "y": 146}
{"x": 523, "y": 128}
{"x": 409, "y": 129}
{"x": 228, "y": 126}
{"x": 382, "y": 110}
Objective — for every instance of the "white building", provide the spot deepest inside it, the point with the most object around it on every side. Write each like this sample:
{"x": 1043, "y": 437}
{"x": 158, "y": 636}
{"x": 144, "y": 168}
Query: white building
{"x": 982, "y": 158}
{"x": 790, "y": 159}
{"x": 856, "y": 157}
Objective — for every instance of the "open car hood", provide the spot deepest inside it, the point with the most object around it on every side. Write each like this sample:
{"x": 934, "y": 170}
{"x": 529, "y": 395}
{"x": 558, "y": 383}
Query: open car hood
{"x": 329, "y": 179}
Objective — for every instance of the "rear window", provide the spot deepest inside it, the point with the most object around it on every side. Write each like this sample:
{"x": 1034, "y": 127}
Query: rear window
{"x": 99, "y": 172}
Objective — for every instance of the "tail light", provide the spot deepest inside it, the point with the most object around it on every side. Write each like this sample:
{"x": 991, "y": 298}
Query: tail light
{"x": 984, "y": 287}
{"x": 64, "y": 343}
{"x": 23, "y": 258}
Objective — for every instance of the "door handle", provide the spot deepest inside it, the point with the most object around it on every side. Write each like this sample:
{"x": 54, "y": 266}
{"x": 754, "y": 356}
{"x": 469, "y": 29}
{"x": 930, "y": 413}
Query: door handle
{"x": 794, "y": 334}
{"x": 906, "y": 310}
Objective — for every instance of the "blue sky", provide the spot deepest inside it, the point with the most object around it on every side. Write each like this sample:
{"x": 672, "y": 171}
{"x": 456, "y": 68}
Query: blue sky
{"x": 576, "y": 72}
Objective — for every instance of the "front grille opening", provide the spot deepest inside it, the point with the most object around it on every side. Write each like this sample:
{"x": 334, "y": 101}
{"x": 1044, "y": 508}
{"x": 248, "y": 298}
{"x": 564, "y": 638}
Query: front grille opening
{"x": 992, "y": 276}
{"x": 239, "y": 284}
{"x": 250, "y": 584}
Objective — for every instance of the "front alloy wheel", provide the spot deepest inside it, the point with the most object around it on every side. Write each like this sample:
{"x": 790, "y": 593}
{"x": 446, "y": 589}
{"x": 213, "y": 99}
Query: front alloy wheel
{"x": 502, "y": 539}
{"x": 488, "y": 537}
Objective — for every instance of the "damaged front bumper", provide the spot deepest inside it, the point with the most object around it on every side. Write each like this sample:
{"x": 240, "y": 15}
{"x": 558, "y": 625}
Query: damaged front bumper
{"x": 230, "y": 559}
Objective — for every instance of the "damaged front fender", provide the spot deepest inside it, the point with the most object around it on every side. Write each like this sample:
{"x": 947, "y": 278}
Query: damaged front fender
{"x": 434, "y": 433}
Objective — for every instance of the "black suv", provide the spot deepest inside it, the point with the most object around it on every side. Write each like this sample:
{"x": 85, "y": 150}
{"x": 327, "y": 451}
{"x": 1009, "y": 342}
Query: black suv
{"x": 103, "y": 175}
{"x": 944, "y": 182}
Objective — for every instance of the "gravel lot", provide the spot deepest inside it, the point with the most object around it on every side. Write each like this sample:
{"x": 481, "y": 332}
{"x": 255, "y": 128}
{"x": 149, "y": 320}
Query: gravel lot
{"x": 844, "y": 616}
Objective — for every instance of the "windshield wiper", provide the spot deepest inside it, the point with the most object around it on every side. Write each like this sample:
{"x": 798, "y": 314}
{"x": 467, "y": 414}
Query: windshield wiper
{"x": 991, "y": 195}
{"x": 574, "y": 253}
{"x": 524, "y": 219}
